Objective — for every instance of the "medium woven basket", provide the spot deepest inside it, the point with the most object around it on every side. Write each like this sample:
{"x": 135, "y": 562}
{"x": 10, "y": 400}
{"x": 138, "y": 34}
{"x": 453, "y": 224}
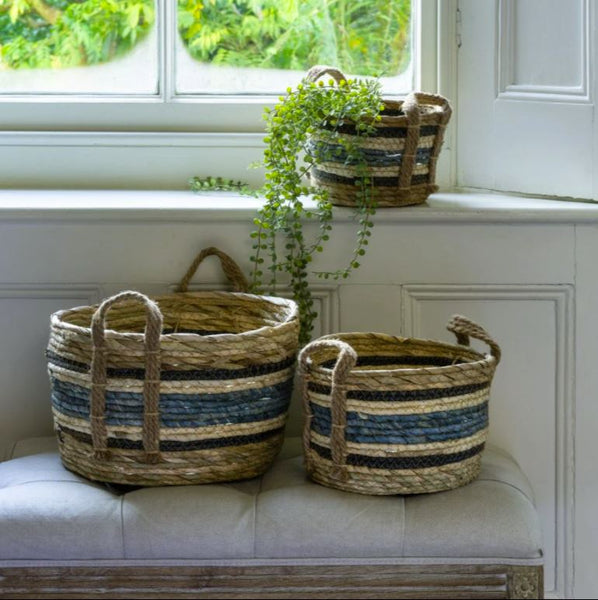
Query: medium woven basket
{"x": 400, "y": 157}
{"x": 184, "y": 388}
{"x": 390, "y": 415}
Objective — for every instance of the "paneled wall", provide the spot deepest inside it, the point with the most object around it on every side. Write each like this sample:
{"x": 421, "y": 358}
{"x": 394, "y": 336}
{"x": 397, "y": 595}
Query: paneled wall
{"x": 524, "y": 271}
{"x": 527, "y": 83}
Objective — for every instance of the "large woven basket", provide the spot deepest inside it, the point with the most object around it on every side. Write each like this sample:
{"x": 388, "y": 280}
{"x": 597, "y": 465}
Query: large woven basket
{"x": 390, "y": 415}
{"x": 181, "y": 389}
{"x": 400, "y": 157}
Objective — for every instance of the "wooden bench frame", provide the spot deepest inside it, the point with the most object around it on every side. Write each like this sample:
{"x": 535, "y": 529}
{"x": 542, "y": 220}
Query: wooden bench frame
{"x": 279, "y": 581}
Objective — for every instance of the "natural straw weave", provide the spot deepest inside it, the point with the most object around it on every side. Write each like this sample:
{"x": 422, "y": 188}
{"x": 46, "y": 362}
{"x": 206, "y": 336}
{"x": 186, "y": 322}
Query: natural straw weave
{"x": 182, "y": 389}
{"x": 400, "y": 157}
{"x": 390, "y": 415}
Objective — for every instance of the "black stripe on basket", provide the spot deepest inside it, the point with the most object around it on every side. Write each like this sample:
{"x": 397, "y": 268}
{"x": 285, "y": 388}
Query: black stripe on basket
{"x": 400, "y": 462}
{"x": 408, "y": 359}
{"x": 382, "y": 132}
{"x": 202, "y": 332}
{"x": 326, "y": 177}
{"x": 177, "y": 446}
{"x": 175, "y": 375}
{"x": 403, "y": 395}
{"x": 420, "y": 179}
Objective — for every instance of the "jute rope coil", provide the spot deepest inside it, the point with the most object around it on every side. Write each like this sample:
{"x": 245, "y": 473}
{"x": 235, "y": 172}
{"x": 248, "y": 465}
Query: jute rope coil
{"x": 388, "y": 415}
{"x": 185, "y": 388}
{"x": 401, "y": 157}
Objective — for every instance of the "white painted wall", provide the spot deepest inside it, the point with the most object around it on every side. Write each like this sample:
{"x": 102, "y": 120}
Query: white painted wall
{"x": 524, "y": 269}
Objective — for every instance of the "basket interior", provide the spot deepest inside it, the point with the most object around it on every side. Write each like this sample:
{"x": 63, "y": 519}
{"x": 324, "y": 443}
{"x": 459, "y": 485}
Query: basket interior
{"x": 380, "y": 352}
{"x": 202, "y": 313}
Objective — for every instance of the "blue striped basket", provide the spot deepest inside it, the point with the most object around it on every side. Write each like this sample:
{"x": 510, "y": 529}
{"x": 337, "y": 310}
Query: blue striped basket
{"x": 184, "y": 388}
{"x": 390, "y": 415}
{"x": 400, "y": 156}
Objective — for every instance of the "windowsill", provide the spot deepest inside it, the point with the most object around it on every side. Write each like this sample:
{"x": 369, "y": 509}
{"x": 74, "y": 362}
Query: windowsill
{"x": 185, "y": 206}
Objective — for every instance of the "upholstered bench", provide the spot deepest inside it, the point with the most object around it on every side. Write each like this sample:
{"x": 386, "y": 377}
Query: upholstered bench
{"x": 273, "y": 537}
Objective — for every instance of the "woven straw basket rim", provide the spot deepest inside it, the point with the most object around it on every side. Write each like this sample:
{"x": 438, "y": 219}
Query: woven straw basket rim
{"x": 430, "y": 103}
{"x": 478, "y": 359}
{"x": 288, "y": 313}
{"x": 431, "y": 106}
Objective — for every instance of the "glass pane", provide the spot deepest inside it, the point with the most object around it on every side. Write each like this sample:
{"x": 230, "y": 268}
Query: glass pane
{"x": 263, "y": 46}
{"x": 78, "y": 46}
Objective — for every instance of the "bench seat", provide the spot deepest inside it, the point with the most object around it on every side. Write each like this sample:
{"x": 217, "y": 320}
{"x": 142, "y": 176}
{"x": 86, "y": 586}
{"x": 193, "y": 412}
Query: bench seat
{"x": 279, "y": 535}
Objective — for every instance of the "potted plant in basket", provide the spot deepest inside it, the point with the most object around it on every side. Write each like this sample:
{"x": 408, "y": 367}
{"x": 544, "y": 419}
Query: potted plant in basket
{"x": 326, "y": 142}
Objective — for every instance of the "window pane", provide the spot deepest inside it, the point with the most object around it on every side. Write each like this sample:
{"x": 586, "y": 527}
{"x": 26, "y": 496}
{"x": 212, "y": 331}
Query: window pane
{"x": 262, "y": 46}
{"x": 78, "y": 46}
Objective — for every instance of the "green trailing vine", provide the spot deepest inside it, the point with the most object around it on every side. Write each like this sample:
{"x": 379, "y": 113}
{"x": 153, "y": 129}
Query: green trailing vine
{"x": 303, "y": 130}
{"x": 219, "y": 184}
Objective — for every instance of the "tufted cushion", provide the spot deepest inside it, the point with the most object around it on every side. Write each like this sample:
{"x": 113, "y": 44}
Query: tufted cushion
{"x": 49, "y": 513}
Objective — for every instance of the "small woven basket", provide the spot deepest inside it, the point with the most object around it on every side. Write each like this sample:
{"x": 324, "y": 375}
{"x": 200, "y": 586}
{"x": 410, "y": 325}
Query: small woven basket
{"x": 184, "y": 388}
{"x": 388, "y": 415}
{"x": 400, "y": 157}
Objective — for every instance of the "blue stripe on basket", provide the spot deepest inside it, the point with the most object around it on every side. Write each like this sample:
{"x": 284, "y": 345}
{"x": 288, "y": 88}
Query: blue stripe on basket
{"x": 336, "y": 153}
{"x": 179, "y": 410}
{"x": 405, "y": 429}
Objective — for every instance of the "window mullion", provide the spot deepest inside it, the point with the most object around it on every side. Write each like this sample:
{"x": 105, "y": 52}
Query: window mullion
{"x": 167, "y": 36}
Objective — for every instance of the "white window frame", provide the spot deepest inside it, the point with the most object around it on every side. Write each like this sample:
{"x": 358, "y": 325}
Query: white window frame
{"x": 158, "y": 142}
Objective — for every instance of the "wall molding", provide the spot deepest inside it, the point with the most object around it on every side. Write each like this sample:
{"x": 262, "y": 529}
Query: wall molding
{"x": 562, "y": 299}
{"x": 88, "y": 294}
{"x": 508, "y": 90}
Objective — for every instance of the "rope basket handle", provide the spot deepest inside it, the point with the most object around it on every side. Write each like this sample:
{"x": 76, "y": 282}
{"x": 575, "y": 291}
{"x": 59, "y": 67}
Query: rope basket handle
{"x": 151, "y": 384}
{"x": 464, "y": 328}
{"x": 230, "y": 268}
{"x": 410, "y": 108}
{"x": 318, "y": 71}
{"x": 444, "y": 105}
{"x": 345, "y": 362}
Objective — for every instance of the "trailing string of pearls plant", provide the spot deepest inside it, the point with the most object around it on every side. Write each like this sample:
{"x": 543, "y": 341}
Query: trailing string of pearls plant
{"x": 302, "y": 131}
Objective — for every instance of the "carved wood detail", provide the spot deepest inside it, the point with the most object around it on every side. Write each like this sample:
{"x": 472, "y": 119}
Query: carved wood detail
{"x": 525, "y": 582}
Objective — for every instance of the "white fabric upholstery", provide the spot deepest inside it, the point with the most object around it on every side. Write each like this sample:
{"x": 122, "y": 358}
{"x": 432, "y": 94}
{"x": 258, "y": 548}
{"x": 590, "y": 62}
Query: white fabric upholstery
{"x": 215, "y": 521}
{"x": 48, "y": 513}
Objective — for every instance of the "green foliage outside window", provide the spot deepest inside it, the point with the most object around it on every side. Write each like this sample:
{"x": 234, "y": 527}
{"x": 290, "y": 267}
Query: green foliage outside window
{"x": 363, "y": 37}
{"x": 68, "y": 33}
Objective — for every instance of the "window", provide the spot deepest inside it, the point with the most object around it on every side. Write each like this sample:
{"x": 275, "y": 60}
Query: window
{"x": 78, "y": 47}
{"x": 137, "y": 48}
{"x": 262, "y": 46}
{"x": 146, "y": 93}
